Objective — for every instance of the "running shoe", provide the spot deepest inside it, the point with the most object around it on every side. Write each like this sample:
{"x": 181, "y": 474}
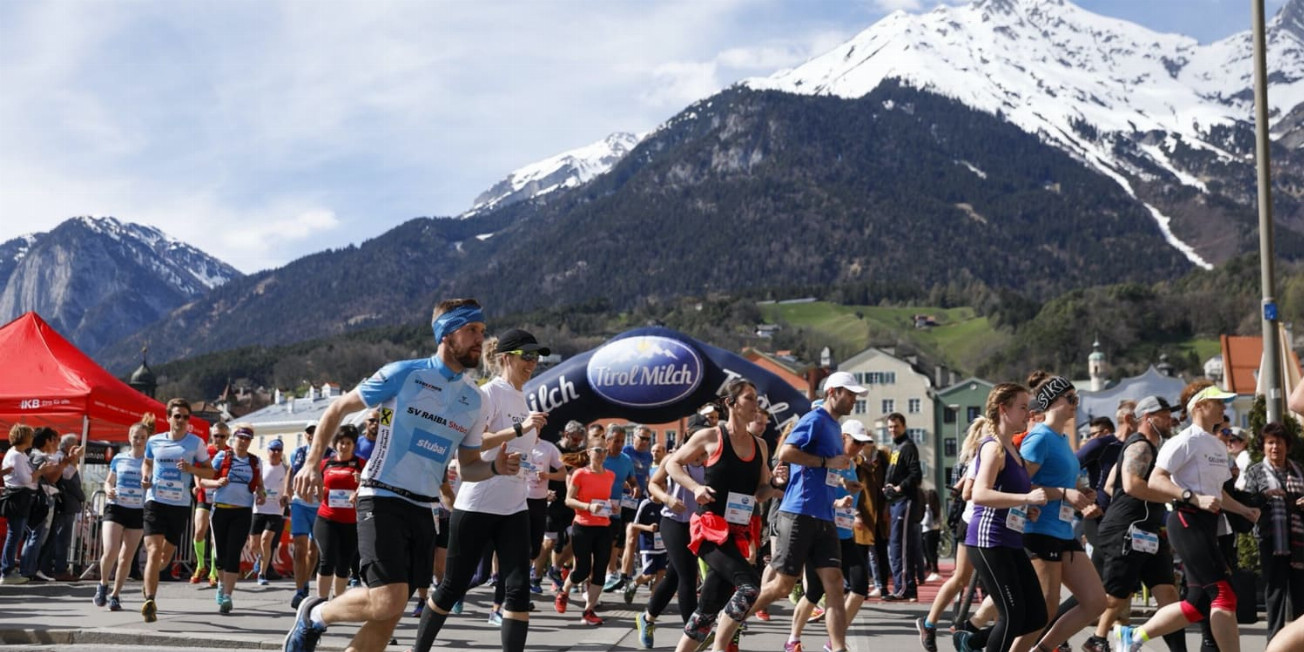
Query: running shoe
{"x": 797, "y": 592}
{"x": 41, "y": 576}
{"x": 199, "y": 575}
{"x": 114, "y": 603}
{"x": 495, "y": 617}
{"x": 932, "y": 577}
{"x": 614, "y": 582}
{"x": 763, "y": 616}
{"x": 875, "y": 593}
{"x": 1096, "y": 644}
{"x": 961, "y": 641}
{"x": 559, "y": 603}
{"x": 733, "y": 642}
{"x": 421, "y": 606}
{"x": 792, "y": 646}
{"x": 457, "y": 608}
{"x": 149, "y": 611}
{"x": 828, "y": 646}
{"x": 262, "y": 580}
{"x": 298, "y": 597}
{"x": 816, "y": 614}
{"x": 927, "y": 635}
{"x": 1128, "y": 641}
{"x": 629, "y": 593}
{"x": 217, "y": 598}
{"x": 101, "y": 595}
{"x": 589, "y": 618}
{"x": 304, "y": 635}
{"x": 13, "y": 579}
{"x": 555, "y": 575}
{"x": 212, "y": 581}
{"x": 646, "y": 629}
{"x": 225, "y": 605}
{"x": 536, "y": 586}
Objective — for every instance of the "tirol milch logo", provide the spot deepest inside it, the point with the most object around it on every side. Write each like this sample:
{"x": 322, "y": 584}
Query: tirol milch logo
{"x": 645, "y": 372}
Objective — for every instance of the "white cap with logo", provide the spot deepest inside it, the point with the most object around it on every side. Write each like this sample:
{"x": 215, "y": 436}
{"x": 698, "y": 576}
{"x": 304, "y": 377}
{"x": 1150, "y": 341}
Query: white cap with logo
{"x": 845, "y": 380}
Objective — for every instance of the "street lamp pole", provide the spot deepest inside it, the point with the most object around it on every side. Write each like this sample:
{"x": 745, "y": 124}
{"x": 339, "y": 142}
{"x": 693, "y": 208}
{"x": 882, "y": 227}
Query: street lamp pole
{"x": 1271, "y": 346}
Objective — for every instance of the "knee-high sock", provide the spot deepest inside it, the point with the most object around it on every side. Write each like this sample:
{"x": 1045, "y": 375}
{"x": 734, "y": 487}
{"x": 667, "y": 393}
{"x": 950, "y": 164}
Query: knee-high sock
{"x": 514, "y": 633}
{"x": 428, "y": 629}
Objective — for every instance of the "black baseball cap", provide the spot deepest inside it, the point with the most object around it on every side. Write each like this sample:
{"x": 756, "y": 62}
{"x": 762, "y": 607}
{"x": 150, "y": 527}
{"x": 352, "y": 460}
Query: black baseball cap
{"x": 519, "y": 340}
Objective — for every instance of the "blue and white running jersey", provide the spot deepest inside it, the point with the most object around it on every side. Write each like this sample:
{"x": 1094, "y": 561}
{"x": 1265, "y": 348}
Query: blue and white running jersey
{"x": 426, "y": 413}
{"x": 126, "y": 470}
{"x": 169, "y": 485}
{"x": 236, "y": 492}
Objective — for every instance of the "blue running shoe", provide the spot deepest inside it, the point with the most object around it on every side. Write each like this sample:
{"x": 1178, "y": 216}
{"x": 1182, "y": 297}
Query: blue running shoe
{"x": 421, "y": 606}
{"x": 496, "y": 617}
{"x": 1127, "y": 638}
{"x": 646, "y": 630}
{"x": 457, "y": 608}
{"x": 225, "y": 605}
{"x": 961, "y": 641}
{"x": 298, "y": 597}
{"x": 304, "y": 635}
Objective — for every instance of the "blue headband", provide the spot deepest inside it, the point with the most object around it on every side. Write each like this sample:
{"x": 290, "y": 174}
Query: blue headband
{"x": 455, "y": 319}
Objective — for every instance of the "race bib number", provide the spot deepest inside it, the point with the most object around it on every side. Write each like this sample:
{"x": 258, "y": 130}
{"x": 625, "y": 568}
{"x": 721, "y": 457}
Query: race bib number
{"x": 1142, "y": 541}
{"x": 169, "y": 490}
{"x": 131, "y": 497}
{"x": 1066, "y": 512}
{"x": 338, "y": 499}
{"x": 604, "y": 508}
{"x": 1016, "y": 519}
{"x": 657, "y": 543}
{"x": 528, "y": 471}
{"x": 844, "y": 518}
{"x": 628, "y": 502}
{"x": 832, "y": 479}
{"x": 738, "y": 508}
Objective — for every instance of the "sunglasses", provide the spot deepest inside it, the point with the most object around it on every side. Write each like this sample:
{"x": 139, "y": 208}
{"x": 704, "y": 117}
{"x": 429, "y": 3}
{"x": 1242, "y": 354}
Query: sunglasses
{"x": 372, "y": 420}
{"x": 598, "y": 449}
{"x": 645, "y": 439}
{"x": 1072, "y": 399}
{"x": 179, "y": 416}
{"x": 528, "y": 356}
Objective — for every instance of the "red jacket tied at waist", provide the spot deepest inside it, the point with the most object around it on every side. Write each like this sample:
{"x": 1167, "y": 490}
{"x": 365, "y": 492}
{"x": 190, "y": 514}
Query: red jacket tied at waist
{"x": 712, "y": 527}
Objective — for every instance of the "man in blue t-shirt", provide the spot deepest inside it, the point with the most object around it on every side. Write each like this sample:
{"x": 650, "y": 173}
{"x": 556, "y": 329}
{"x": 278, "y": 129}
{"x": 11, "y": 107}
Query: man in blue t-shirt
{"x": 624, "y": 489}
{"x": 640, "y": 454}
{"x": 429, "y": 412}
{"x": 805, "y": 519}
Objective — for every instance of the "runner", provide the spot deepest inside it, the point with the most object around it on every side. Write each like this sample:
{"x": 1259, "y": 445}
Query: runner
{"x": 429, "y": 411}
{"x": 303, "y": 516}
{"x": 846, "y": 498}
{"x": 124, "y": 516}
{"x": 1191, "y": 470}
{"x": 1001, "y": 492}
{"x": 556, "y": 535}
{"x": 205, "y": 557}
{"x": 624, "y": 490}
{"x": 640, "y": 453}
{"x": 336, "y": 528}
{"x": 807, "y": 534}
{"x": 1057, "y": 555}
{"x": 269, "y": 516}
{"x": 589, "y": 493}
{"x": 1131, "y": 543}
{"x": 681, "y": 578}
{"x": 737, "y": 476}
{"x": 236, "y": 487}
{"x": 544, "y": 466}
{"x": 171, "y": 459}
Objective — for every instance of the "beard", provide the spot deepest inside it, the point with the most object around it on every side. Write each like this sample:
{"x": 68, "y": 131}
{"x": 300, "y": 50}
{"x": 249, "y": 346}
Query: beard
{"x": 468, "y": 358}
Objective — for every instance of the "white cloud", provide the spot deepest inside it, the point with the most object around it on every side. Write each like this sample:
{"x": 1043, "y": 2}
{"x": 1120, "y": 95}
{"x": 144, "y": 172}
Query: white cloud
{"x": 894, "y": 5}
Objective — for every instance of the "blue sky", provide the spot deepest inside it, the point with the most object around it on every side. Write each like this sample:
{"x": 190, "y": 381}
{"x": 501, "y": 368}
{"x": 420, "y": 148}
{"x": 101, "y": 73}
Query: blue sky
{"x": 263, "y": 131}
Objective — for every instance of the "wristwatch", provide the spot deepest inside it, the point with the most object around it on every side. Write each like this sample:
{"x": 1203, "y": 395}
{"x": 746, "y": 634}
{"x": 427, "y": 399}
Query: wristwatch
{"x": 520, "y": 432}
{"x": 1187, "y": 495}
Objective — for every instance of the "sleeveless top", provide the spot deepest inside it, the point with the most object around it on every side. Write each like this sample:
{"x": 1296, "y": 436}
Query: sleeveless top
{"x": 988, "y": 528}
{"x": 726, "y": 472}
{"x": 1126, "y": 510}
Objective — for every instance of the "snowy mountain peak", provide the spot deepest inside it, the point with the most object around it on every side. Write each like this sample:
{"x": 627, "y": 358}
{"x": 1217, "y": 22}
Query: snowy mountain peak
{"x": 190, "y": 269}
{"x": 566, "y": 170}
{"x": 1290, "y": 19}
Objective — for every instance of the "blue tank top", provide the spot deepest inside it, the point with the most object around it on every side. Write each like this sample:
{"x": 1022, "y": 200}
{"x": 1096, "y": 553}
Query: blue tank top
{"x": 988, "y": 528}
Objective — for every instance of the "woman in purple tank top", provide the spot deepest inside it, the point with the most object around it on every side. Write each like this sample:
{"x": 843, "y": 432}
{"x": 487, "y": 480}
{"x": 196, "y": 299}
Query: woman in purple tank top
{"x": 1002, "y": 493}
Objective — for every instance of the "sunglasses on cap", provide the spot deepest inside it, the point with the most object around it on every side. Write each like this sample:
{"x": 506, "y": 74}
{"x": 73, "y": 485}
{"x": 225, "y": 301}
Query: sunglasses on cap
{"x": 528, "y": 356}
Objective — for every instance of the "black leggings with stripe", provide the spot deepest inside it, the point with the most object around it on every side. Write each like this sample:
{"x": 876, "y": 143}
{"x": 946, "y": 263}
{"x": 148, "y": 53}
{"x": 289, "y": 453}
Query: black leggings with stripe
{"x": 1008, "y": 577}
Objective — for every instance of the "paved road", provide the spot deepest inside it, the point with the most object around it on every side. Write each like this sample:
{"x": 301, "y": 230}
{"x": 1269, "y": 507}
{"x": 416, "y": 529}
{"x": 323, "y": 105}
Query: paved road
{"x": 61, "y": 617}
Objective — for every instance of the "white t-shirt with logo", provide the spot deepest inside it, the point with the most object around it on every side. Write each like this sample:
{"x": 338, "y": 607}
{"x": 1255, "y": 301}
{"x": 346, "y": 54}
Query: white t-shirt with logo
{"x": 1197, "y": 461}
{"x": 274, "y": 485}
{"x": 501, "y": 494}
{"x": 545, "y": 458}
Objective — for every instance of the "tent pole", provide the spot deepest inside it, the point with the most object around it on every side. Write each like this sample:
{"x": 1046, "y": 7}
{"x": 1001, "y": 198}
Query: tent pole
{"x": 86, "y": 433}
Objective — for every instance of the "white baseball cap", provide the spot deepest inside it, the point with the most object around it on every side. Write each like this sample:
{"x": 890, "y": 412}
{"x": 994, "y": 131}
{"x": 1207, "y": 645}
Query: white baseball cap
{"x": 856, "y": 430}
{"x": 844, "y": 380}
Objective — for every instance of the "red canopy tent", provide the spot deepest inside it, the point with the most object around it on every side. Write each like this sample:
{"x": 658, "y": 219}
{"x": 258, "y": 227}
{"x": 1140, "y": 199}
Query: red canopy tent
{"x": 46, "y": 381}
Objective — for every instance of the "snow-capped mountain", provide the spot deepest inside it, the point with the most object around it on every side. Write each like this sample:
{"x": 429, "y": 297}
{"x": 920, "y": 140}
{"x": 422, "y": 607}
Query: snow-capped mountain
{"x": 1117, "y": 96}
{"x": 97, "y": 279}
{"x": 566, "y": 170}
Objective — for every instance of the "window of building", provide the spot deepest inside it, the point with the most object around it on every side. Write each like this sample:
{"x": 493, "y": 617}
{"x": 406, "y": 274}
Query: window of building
{"x": 950, "y": 477}
{"x": 917, "y": 435}
{"x": 914, "y": 405}
{"x": 973, "y": 412}
{"x": 948, "y": 447}
{"x": 860, "y": 407}
{"x": 948, "y": 415}
{"x": 880, "y": 378}
{"x": 889, "y": 406}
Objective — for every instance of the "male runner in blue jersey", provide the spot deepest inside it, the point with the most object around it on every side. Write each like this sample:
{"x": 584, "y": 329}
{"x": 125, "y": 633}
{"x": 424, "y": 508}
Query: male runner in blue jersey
{"x": 428, "y": 409}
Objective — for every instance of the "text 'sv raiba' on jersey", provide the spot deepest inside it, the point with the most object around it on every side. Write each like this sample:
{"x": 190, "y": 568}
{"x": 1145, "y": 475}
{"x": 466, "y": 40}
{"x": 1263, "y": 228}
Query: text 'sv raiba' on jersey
{"x": 426, "y": 413}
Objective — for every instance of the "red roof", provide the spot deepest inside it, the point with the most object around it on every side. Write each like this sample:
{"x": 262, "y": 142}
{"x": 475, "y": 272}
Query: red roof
{"x": 49, "y": 382}
{"x": 1242, "y": 355}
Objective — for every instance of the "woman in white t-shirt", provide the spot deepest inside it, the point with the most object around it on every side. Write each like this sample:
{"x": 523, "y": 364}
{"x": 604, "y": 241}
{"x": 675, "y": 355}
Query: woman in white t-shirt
{"x": 492, "y": 514}
{"x": 20, "y": 484}
{"x": 124, "y": 516}
{"x": 1191, "y": 469}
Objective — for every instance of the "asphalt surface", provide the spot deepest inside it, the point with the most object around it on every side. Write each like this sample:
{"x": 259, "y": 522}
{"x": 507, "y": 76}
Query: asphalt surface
{"x": 60, "y": 616}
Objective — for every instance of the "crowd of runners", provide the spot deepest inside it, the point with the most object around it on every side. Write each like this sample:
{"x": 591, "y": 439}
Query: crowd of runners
{"x": 448, "y": 486}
